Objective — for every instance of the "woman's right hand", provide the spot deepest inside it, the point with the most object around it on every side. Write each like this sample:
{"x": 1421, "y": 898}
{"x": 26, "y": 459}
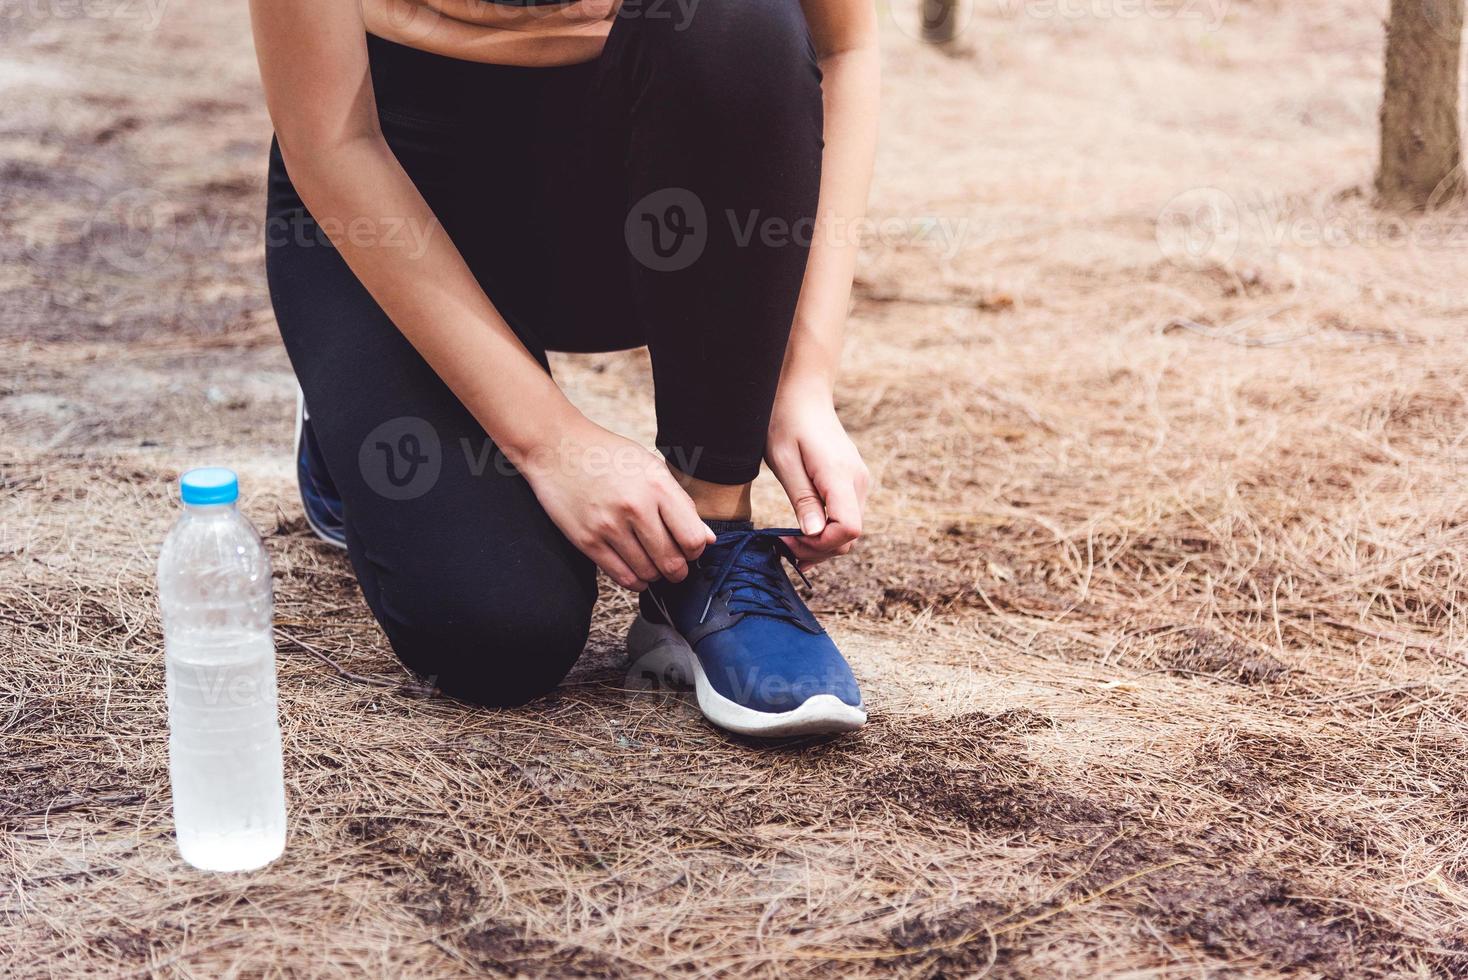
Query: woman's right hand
{"x": 617, "y": 503}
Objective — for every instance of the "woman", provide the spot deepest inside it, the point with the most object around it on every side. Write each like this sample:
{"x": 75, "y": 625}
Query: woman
{"x": 458, "y": 186}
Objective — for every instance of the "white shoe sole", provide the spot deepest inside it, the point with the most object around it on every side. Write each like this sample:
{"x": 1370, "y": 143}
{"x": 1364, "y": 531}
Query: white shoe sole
{"x": 300, "y": 427}
{"x": 660, "y": 651}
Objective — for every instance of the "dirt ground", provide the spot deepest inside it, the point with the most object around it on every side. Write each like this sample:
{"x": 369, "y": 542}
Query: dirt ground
{"x": 1161, "y": 613}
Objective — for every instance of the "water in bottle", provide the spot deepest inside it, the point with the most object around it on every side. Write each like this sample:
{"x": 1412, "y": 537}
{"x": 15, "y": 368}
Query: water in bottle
{"x": 224, "y": 738}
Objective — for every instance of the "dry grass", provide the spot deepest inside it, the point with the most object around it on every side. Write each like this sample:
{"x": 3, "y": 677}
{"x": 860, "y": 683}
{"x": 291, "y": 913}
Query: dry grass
{"x": 1162, "y": 611}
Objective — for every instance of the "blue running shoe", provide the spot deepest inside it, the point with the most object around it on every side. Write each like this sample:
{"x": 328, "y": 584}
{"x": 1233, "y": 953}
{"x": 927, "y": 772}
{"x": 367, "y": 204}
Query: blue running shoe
{"x": 737, "y": 631}
{"x": 318, "y": 494}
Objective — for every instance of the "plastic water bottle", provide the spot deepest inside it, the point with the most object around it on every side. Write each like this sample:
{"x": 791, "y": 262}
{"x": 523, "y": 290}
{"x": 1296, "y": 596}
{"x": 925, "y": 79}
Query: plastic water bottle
{"x": 224, "y": 738}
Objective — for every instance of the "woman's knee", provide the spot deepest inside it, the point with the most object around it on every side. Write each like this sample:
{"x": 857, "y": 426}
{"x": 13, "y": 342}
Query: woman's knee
{"x": 489, "y": 651}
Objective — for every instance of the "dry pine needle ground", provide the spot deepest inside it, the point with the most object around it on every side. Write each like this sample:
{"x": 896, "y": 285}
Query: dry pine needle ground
{"x": 1161, "y": 613}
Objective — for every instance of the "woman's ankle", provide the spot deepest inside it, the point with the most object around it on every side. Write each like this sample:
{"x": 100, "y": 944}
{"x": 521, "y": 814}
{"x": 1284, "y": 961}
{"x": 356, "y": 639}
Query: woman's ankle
{"x": 716, "y": 501}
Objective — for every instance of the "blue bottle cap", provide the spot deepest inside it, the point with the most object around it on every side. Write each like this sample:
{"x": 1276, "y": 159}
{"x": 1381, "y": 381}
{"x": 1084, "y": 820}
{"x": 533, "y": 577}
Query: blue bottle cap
{"x": 209, "y": 485}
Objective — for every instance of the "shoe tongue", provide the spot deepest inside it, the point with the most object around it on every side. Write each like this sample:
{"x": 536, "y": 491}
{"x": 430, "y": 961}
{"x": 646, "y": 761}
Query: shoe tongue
{"x": 755, "y": 551}
{"x": 723, "y": 527}
{"x": 759, "y": 584}
{"x": 759, "y": 556}
{"x": 762, "y": 559}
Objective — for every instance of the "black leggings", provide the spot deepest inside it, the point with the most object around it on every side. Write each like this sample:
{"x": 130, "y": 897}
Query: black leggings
{"x": 660, "y": 195}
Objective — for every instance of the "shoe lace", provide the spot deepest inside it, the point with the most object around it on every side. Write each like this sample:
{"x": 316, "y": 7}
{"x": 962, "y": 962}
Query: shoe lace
{"x": 758, "y": 587}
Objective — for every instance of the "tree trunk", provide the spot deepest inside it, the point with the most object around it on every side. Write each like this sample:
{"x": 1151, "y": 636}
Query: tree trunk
{"x": 940, "y": 20}
{"x": 1421, "y": 149}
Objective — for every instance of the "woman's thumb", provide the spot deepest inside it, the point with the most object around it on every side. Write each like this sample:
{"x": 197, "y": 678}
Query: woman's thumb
{"x": 810, "y": 512}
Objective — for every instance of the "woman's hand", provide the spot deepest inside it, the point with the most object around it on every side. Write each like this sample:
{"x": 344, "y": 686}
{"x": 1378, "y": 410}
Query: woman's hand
{"x": 822, "y": 473}
{"x": 617, "y": 503}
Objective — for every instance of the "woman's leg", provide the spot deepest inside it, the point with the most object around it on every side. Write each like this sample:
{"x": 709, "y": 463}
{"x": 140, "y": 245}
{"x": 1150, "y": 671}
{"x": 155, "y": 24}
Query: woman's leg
{"x": 695, "y": 184}
{"x": 723, "y": 155}
{"x": 474, "y": 586}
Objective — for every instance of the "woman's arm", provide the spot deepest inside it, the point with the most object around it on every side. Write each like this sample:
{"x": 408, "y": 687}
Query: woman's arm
{"x": 808, "y": 449}
{"x": 313, "y": 62}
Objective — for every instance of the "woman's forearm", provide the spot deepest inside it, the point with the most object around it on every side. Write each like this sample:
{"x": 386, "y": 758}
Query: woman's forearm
{"x": 361, "y": 197}
{"x": 851, "y": 92}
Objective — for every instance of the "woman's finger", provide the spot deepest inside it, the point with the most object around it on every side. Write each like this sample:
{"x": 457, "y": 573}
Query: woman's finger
{"x": 630, "y": 550}
{"x": 657, "y": 541}
{"x": 689, "y": 531}
{"x": 810, "y": 511}
{"x": 843, "y": 518}
{"x": 805, "y": 552}
{"x": 610, "y": 562}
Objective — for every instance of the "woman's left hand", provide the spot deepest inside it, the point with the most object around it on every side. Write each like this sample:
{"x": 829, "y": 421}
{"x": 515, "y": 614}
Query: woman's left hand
{"x": 822, "y": 473}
